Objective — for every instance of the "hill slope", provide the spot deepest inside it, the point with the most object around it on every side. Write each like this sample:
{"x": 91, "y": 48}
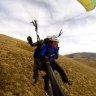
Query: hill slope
{"x": 86, "y": 58}
{"x": 83, "y": 55}
{"x": 16, "y": 65}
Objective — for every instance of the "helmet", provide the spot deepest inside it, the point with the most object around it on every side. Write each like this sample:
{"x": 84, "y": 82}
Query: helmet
{"x": 54, "y": 38}
{"x": 48, "y": 37}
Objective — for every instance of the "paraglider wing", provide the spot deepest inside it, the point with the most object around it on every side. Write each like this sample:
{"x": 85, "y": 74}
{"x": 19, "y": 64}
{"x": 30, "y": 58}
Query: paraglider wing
{"x": 88, "y": 4}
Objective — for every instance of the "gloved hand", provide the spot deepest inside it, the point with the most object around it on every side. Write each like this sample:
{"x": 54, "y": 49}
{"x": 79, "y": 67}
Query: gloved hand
{"x": 29, "y": 39}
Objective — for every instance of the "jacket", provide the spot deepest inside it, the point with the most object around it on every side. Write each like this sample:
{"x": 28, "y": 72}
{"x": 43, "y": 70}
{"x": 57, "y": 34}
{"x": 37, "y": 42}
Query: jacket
{"x": 49, "y": 51}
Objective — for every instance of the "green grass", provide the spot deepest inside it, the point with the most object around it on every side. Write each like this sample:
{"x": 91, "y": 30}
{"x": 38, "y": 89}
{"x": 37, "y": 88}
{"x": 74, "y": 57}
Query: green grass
{"x": 16, "y": 65}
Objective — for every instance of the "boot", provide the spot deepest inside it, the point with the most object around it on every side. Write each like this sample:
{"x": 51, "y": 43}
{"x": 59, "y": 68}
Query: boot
{"x": 48, "y": 93}
{"x": 35, "y": 82}
{"x": 68, "y": 83}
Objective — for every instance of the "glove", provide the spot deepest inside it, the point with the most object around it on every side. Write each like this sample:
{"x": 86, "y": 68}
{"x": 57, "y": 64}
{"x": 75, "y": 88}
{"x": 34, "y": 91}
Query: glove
{"x": 29, "y": 39}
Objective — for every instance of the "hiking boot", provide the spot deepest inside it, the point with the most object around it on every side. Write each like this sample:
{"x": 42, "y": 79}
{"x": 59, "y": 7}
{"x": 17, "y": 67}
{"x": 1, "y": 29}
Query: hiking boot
{"x": 48, "y": 93}
{"x": 69, "y": 83}
{"x": 35, "y": 82}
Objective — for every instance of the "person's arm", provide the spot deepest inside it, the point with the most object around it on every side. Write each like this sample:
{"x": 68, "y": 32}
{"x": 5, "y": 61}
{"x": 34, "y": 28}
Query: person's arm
{"x": 56, "y": 51}
{"x": 29, "y": 39}
{"x": 33, "y": 44}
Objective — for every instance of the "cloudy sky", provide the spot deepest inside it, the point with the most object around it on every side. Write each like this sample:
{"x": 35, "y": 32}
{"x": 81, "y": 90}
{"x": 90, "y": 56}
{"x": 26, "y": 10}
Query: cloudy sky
{"x": 79, "y": 26}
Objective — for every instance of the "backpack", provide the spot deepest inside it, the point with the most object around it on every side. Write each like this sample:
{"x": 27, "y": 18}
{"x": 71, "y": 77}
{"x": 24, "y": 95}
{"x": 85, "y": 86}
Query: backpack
{"x": 40, "y": 44}
{"x": 38, "y": 48}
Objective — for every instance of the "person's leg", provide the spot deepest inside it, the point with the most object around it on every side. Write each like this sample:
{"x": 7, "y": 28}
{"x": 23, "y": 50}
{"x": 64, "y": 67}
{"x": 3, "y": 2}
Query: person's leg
{"x": 46, "y": 85}
{"x": 56, "y": 67}
{"x": 35, "y": 73}
{"x": 45, "y": 77}
{"x": 46, "y": 82}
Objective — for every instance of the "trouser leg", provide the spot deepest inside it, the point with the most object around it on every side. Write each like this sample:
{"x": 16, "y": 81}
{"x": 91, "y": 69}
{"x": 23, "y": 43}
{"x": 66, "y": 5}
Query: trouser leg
{"x": 46, "y": 82}
{"x": 35, "y": 71}
{"x": 56, "y": 67}
{"x": 46, "y": 77}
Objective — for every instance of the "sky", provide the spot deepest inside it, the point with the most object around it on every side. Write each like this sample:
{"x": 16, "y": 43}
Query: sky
{"x": 78, "y": 25}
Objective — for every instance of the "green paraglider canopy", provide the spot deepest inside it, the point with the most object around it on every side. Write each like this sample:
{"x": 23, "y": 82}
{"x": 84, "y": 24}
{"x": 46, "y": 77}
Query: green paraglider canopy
{"x": 88, "y": 4}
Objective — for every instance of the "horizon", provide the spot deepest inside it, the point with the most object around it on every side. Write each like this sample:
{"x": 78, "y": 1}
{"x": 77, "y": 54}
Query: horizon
{"x": 78, "y": 25}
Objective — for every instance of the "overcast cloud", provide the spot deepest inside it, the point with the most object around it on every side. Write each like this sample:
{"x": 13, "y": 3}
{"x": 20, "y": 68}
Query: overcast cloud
{"x": 79, "y": 26}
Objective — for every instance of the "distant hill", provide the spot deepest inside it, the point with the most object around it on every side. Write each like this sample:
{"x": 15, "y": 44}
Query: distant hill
{"x": 84, "y": 57}
{"x": 16, "y": 75}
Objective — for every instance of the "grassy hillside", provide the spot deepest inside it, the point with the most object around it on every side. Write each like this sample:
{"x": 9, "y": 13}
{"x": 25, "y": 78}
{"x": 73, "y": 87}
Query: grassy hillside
{"x": 86, "y": 58}
{"x": 16, "y": 65}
